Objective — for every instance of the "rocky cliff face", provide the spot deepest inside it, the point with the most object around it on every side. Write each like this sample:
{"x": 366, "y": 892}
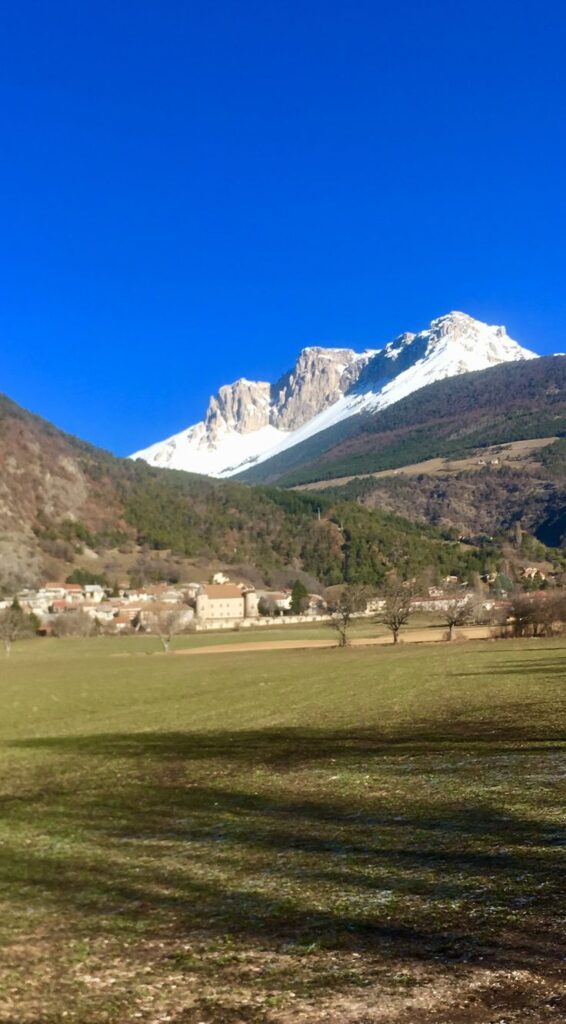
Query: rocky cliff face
{"x": 243, "y": 406}
{"x": 319, "y": 378}
{"x": 249, "y": 421}
{"x": 247, "y": 417}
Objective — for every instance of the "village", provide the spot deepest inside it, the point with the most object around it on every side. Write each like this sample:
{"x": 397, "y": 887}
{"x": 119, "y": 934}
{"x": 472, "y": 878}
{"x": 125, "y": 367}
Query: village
{"x": 71, "y": 608}
{"x": 218, "y": 604}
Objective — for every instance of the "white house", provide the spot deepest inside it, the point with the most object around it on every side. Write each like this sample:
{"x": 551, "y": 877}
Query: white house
{"x": 52, "y": 592}
{"x": 278, "y": 601}
{"x": 220, "y": 577}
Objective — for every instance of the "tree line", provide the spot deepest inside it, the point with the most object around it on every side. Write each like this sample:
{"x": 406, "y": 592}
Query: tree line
{"x": 524, "y": 615}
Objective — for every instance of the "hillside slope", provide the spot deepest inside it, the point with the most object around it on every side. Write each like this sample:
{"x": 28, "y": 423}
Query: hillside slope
{"x": 486, "y": 501}
{"x": 448, "y": 418}
{"x": 64, "y": 503}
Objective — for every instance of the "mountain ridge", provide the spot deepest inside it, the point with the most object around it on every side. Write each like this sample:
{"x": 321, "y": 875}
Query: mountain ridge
{"x": 250, "y": 421}
{"x": 446, "y": 418}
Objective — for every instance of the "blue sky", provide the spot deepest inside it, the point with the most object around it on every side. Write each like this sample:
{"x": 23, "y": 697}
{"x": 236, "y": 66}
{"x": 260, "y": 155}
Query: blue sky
{"x": 191, "y": 192}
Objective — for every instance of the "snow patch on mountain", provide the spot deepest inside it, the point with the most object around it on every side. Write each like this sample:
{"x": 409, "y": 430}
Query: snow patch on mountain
{"x": 248, "y": 422}
{"x": 193, "y": 450}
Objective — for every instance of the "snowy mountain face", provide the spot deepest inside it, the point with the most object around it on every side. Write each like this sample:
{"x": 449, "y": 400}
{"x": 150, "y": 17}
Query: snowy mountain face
{"x": 249, "y": 421}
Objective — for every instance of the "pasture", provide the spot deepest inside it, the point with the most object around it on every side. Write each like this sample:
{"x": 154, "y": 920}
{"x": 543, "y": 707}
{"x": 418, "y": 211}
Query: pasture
{"x": 365, "y": 835}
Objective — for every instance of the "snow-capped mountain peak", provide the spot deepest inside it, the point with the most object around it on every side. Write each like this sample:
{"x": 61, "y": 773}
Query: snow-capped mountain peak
{"x": 249, "y": 421}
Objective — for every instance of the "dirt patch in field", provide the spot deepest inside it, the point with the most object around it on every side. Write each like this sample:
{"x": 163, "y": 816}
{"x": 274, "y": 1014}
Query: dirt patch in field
{"x": 463, "y": 997}
{"x": 407, "y": 991}
{"x": 433, "y": 634}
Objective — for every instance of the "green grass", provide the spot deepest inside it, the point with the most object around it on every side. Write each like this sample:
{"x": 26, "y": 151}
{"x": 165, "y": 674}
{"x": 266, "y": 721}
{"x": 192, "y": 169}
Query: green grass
{"x": 360, "y": 628}
{"x": 224, "y": 839}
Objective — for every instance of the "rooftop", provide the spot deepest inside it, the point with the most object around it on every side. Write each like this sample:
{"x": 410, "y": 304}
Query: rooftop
{"x": 220, "y": 590}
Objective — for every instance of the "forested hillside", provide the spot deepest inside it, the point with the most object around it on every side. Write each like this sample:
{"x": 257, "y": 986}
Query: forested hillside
{"x": 450, "y": 418}
{"x": 486, "y": 501}
{"x": 66, "y": 505}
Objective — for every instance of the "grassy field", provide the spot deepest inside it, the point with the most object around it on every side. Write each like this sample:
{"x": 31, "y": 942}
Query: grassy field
{"x": 363, "y": 627}
{"x": 361, "y": 835}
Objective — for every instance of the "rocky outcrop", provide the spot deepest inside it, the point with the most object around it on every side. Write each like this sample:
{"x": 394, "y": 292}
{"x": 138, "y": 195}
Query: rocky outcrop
{"x": 242, "y": 406}
{"x": 318, "y": 379}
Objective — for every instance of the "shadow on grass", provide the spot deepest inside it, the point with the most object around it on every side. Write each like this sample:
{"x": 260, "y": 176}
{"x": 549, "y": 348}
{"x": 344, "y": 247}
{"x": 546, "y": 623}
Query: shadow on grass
{"x": 518, "y": 669}
{"x": 507, "y": 729}
{"x": 267, "y": 837}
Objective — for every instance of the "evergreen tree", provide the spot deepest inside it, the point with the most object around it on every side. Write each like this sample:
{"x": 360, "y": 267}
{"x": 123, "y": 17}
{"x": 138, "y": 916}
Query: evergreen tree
{"x": 299, "y": 597}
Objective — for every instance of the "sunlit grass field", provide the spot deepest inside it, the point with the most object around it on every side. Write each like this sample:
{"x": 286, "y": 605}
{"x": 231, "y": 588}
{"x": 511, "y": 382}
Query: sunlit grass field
{"x": 281, "y": 836}
{"x": 361, "y": 628}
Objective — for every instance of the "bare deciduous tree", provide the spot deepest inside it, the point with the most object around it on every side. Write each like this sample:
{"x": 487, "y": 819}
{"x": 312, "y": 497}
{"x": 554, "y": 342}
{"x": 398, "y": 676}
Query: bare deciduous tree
{"x": 457, "y": 612}
{"x": 75, "y": 623}
{"x": 537, "y": 614}
{"x": 14, "y": 625}
{"x": 351, "y": 601}
{"x": 166, "y": 622}
{"x": 397, "y": 608}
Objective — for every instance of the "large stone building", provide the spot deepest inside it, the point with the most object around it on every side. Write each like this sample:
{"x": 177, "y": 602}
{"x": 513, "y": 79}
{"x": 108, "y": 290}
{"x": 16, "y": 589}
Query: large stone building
{"x": 225, "y": 602}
